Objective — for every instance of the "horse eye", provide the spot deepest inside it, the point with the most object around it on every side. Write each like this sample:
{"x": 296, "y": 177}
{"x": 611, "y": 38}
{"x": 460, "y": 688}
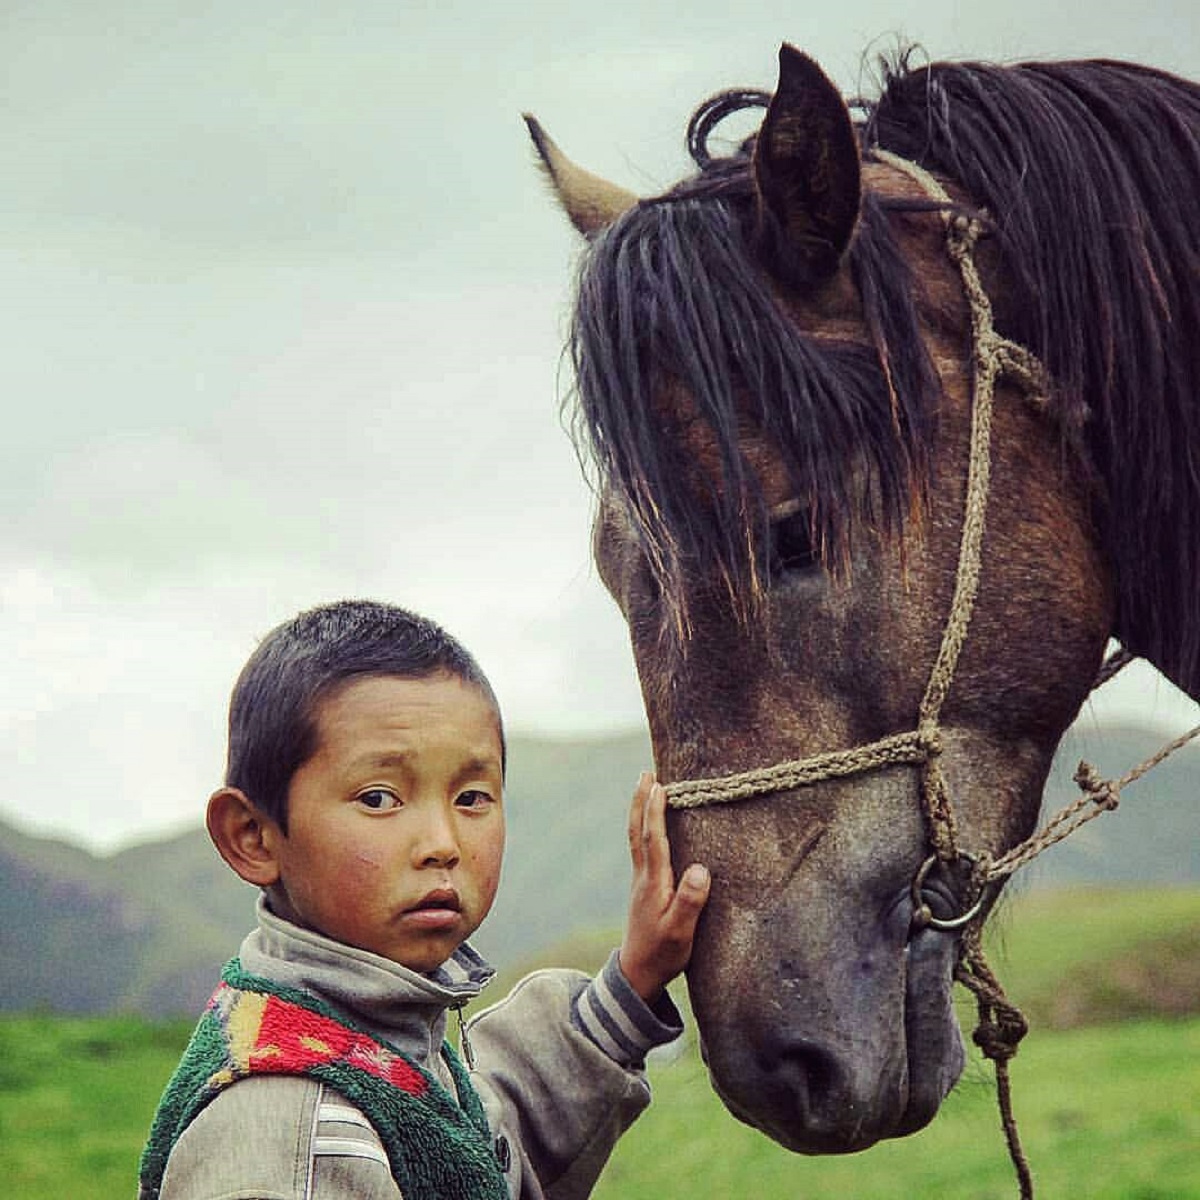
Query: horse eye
{"x": 791, "y": 545}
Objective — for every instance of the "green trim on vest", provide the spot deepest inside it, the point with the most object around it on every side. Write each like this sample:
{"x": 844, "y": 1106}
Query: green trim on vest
{"x": 438, "y": 1149}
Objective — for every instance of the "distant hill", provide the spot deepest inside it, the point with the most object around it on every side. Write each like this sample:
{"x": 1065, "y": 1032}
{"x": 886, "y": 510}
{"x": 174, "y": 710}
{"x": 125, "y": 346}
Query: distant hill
{"x": 1152, "y": 837}
{"x": 146, "y": 929}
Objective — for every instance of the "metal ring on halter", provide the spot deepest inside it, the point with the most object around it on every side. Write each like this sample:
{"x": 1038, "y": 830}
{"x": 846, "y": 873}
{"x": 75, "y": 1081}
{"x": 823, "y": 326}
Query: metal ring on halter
{"x": 923, "y": 917}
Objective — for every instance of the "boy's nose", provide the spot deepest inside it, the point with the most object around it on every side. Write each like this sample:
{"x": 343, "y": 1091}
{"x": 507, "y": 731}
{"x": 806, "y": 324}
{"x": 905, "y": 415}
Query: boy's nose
{"x": 438, "y": 843}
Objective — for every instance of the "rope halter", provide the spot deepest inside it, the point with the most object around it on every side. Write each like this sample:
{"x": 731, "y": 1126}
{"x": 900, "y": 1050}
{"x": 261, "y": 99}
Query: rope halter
{"x": 992, "y": 357}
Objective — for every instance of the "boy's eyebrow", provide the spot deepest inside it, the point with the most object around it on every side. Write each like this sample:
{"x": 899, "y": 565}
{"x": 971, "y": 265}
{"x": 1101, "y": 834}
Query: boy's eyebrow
{"x": 480, "y": 766}
{"x": 397, "y": 759}
{"x": 475, "y": 765}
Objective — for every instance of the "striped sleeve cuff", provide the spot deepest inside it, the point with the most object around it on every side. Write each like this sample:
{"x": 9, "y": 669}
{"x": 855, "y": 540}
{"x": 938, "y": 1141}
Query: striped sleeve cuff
{"x": 619, "y": 1021}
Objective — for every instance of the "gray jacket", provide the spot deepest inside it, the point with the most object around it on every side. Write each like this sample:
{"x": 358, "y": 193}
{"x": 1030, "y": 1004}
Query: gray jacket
{"x": 559, "y": 1067}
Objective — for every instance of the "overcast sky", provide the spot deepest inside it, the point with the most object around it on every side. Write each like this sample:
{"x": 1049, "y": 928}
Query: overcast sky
{"x": 283, "y": 305}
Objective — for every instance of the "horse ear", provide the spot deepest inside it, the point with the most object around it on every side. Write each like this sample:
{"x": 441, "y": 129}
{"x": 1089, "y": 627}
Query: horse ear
{"x": 592, "y": 203}
{"x": 807, "y": 174}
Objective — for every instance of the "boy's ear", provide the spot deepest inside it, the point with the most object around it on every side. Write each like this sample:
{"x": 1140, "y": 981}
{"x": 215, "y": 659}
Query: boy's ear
{"x": 244, "y": 836}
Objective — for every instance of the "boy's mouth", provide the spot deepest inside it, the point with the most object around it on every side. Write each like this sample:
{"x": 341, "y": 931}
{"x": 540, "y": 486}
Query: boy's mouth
{"x": 440, "y": 900}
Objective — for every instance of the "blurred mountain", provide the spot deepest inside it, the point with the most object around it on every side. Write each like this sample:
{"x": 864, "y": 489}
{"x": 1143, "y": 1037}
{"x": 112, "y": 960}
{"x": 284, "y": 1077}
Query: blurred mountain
{"x": 147, "y": 929}
{"x": 1152, "y": 837}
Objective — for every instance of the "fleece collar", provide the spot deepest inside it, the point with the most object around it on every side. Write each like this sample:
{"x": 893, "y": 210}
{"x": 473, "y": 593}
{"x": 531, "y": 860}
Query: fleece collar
{"x": 396, "y": 1005}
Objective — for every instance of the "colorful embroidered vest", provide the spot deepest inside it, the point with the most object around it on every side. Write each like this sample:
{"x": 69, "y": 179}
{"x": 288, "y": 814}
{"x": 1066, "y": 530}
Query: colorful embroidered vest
{"x": 438, "y": 1149}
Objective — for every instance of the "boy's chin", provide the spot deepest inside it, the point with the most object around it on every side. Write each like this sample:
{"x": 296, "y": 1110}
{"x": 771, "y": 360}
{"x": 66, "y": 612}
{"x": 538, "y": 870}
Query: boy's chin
{"x": 422, "y": 964}
{"x": 427, "y": 958}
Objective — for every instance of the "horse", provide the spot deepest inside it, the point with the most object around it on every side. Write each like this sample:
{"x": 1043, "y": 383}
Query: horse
{"x": 779, "y": 370}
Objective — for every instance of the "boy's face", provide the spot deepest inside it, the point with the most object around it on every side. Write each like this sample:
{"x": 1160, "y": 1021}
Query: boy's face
{"x": 395, "y": 824}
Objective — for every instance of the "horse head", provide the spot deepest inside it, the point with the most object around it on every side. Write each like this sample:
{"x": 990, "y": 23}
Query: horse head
{"x": 775, "y": 367}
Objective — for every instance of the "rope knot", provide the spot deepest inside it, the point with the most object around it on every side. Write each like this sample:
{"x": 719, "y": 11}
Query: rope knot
{"x": 1024, "y": 368}
{"x": 999, "y": 1036}
{"x": 1103, "y": 793}
{"x": 929, "y": 738}
{"x": 962, "y": 232}
{"x": 982, "y": 866}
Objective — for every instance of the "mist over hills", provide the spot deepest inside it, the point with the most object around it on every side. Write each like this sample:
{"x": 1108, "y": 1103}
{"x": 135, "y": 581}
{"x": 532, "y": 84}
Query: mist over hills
{"x": 146, "y": 929}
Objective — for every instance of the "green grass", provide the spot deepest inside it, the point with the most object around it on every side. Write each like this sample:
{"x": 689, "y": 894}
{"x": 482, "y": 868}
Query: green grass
{"x": 76, "y": 1097}
{"x": 1105, "y": 1113}
{"x": 1106, "y": 1110}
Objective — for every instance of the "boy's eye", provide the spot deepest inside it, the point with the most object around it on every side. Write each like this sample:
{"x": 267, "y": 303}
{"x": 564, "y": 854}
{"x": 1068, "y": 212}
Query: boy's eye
{"x": 378, "y": 799}
{"x": 473, "y": 798}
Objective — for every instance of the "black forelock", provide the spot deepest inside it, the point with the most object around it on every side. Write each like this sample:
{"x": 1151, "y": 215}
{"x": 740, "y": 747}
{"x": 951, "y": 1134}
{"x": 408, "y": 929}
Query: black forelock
{"x": 672, "y": 296}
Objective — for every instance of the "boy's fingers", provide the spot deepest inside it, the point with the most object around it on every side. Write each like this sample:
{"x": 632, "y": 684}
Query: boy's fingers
{"x": 637, "y": 810}
{"x": 654, "y": 829}
{"x": 677, "y": 930}
{"x": 689, "y": 900}
{"x": 695, "y": 885}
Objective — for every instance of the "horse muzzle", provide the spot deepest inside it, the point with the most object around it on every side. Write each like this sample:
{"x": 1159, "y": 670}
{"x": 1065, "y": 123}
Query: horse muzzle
{"x": 840, "y": 1056}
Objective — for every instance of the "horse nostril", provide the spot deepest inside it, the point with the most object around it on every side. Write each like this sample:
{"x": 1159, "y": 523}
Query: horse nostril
{"x": 807, "y": 1070}
{"x": 815, "y": 1096}
{"x": 825, "y": 1114}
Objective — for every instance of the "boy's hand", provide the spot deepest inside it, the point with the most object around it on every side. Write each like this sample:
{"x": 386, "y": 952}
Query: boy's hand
{"x": 662, "y": 918}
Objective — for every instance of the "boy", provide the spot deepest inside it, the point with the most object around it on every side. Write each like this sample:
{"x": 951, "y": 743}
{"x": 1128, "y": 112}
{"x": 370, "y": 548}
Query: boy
{"x": 363, "y": 796}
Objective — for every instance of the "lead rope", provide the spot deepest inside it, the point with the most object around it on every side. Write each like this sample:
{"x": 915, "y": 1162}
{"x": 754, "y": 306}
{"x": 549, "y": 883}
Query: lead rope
{"x": 1000, "y": 1025}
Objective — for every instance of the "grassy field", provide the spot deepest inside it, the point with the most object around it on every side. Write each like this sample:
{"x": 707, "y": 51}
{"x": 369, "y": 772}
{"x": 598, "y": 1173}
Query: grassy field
{"x": 1107, "y": 1086}
{"x": 76, "y": 1097}
{"x": 1105, "y": 1113}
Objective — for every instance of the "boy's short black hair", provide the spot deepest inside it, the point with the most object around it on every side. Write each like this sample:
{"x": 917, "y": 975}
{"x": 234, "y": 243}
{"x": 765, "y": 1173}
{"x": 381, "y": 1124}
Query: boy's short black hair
{"x": 273, "y": 709}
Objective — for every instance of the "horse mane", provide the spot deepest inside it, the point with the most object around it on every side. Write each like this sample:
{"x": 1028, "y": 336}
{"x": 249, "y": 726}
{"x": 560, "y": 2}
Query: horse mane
{"x": 1087, "y": 171}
